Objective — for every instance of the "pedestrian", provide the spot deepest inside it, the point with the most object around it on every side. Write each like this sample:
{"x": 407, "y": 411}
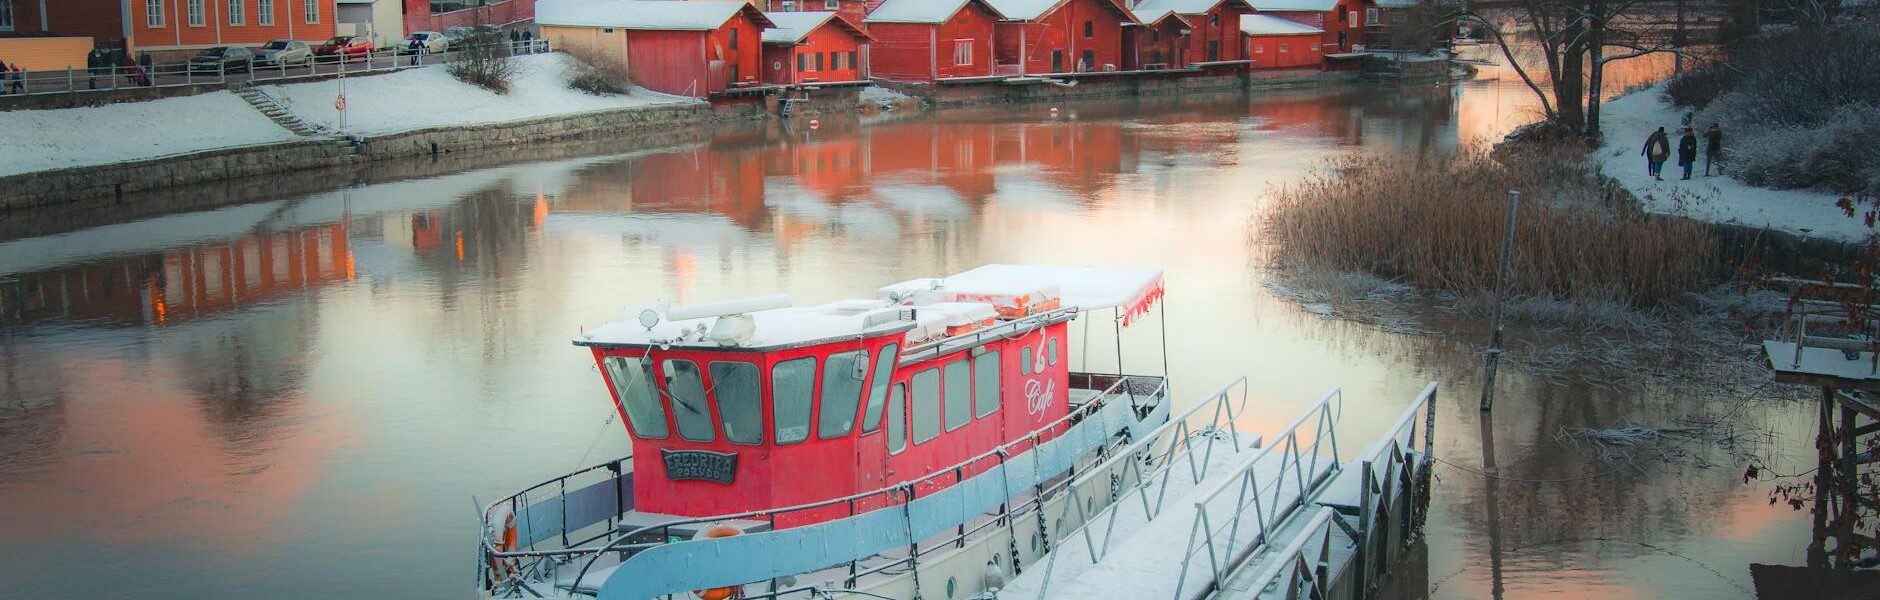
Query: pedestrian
{"x": 19, "y": 79}
{"x": 1657, "y": 148}
{"x": 528, "y": 39}
{"x": 93, "y": 61}
{"x": 1687, "y": 151}
{"x": 6, "y": 73}
{"x": 1713, "y": 148}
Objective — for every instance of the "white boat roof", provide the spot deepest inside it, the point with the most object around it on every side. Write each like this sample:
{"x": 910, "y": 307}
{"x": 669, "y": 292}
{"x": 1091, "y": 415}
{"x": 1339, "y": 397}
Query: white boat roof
{"x": 773, "y": 327}
{"x": 1262, "y": 25}
{"x": 1087, "y": 288}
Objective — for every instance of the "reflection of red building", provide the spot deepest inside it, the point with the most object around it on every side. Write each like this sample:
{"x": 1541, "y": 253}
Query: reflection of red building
{"x": 1060, "y": 36}
{"x": 928, "y": 40}
{"x": 702, "y": 180}
{"x": 188, "y": 282}
{"x": 814, "y": 47}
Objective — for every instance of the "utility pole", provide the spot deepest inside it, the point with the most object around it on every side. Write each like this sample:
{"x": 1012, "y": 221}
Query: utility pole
{"x": 1493, "y": 356}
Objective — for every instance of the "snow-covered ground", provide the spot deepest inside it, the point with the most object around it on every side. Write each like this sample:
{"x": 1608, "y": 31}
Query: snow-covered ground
{"x": 429, "y": 97}
{"x": 39, "y": 140}
{"x": 1628, "y": 120}
{"x": 882, "y": 97}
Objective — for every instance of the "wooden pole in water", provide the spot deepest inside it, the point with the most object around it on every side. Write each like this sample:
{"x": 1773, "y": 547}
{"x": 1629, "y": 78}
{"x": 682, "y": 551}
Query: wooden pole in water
{"x": 1493, "y": 357}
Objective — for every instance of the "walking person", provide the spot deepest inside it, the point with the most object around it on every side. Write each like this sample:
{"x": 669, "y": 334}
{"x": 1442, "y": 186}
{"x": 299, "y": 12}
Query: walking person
{"x": 1713, "y": 148}
{"x": 19, "y": 79}
{"x": 1657, "y": 148}
{"x": 94, "y": 66}
{"x": 1687, "y": 151}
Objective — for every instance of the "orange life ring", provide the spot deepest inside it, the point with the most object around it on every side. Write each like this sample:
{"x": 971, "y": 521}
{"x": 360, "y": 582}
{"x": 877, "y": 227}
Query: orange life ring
{"x": 498, "y": 567}
{"x": 719, "y": 593}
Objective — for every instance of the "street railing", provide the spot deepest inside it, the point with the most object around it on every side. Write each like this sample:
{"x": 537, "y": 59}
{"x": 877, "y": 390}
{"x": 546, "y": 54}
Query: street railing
{"x": 183, "y": 74}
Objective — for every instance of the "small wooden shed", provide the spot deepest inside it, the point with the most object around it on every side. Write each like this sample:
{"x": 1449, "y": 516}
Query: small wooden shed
{"x": 814, "y": 47}
{"x": 698, "y": 49}
{"x": 931, "y": 40}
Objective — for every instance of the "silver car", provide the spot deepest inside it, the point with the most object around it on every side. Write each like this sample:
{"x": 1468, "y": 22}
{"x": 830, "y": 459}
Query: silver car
{"x": 428, "y": 42}
{"x": 283, "y": 53}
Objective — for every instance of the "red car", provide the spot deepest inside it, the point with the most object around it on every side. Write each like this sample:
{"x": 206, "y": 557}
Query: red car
{"x": 349, "y": 46}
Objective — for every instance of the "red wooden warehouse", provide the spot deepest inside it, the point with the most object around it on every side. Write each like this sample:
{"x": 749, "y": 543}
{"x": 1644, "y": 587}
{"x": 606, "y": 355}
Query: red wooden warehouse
{"x": 699, "y": 49}
{"x": 814, "y": 47}
{"x": 930, "y": 40}
{"x": 1186, "y": 33}
{"x": 1276, "y": 43}
{"x": 1060, "y": 36}
{"x": 1342, "y": 21}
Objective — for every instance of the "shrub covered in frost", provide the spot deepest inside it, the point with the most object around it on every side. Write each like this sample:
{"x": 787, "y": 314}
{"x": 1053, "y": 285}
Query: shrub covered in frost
{"x": 1697, "y": 87}
{"x": 1842, "y": 154}
{"x": 598, "y": 73}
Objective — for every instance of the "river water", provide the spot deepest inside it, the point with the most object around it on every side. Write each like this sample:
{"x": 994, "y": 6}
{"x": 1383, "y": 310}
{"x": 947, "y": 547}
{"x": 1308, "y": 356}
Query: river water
{"x": 304, "y": 396}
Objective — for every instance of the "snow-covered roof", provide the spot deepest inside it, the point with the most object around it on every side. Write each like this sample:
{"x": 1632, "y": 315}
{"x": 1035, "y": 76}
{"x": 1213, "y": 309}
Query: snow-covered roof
{"x": 932, "y": 12}
{"x": 1397, "y": 3}
{"x": 1271, "y": 25}
{"x": 792, "y": 27}
{"x": 1029, "y": 10}
{"x": 1294, "y": 5}
{"x": 642, "y": 14}
{"x": 1087, "y": 288}
{"x": 1150, "y": 11}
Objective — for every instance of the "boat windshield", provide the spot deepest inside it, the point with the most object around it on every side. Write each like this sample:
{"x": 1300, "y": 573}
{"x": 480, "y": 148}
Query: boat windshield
{"x": 793, "y": 387}
{"x": 842, "y": 380}
{"x": 878, "y": 388}
{"x": 736, "y": 387}
{"x": 687, "y": 392}
{"x": 634, "y": 386}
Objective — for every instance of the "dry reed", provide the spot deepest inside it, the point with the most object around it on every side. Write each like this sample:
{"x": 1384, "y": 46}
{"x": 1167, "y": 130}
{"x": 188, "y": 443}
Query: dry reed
{"x": 1436, "y": 223}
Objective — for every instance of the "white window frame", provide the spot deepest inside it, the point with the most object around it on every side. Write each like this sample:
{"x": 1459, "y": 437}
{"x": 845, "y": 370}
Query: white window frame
{"x": 198, "y": 14}
{"x": 264, "y": 12}
{"x": 1370, "y": 16}
{"x": 1354, "y": 18}
{"x": 832, "y": 4}
{"x": 312, "y": 10}
{"x": 6, "y": 15}
{"x": 237, "y": 13}
{"x": 153, "y": 14}
{"x": 963, "y": 49}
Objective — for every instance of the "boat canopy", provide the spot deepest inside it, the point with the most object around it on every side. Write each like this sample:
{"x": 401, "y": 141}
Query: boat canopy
{"x": 1027, "y": 289}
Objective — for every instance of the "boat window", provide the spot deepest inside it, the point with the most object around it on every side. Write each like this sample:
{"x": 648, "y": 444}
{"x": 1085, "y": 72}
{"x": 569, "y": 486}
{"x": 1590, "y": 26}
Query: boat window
{"x": 1050, "y": 351}
{"x": 878, "y": 387}
{"x": 635, "y": 388}
{"x": 736, "y": 387}
{"x": 986, "y": 383}
{"x": 897, "y": 418}
{"x": 1024, "y": 361}
{"x": 959, "y": 394}
{"x": 926, "y": 405}
{"x": 792, "y": 387}
{"x": 842, "y": 377}
{"x": 687, "y": 393}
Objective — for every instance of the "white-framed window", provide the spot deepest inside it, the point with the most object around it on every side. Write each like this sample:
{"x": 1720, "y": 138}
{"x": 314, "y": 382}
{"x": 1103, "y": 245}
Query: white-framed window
{"x": 1259, "y": 48}
{"x": 1284, "y": 49}
{"x": 196, "y": 17}
{"x": 832, "y": 4}
{"x": 236, "y": 14}
{"x": 962, "y": 52}
{"x": 264, "y": 12}
{"x": 312, "y": 10}
{"x": 1370, "y": 15}
{"x": 6, "y": 15}
{"x": 1354, "y": 17}
{"x": 153, "y": 14}
{"x": 1315, "y": 47}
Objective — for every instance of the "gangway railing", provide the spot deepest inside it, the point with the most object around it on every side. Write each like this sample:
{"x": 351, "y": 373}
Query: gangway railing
{"x": 1263, "y": 498}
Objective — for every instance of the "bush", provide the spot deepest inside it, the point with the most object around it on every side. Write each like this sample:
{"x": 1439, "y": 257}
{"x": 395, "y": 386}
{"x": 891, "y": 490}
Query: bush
{"x": 598, "y": 73}
{"x": 483, "y": 60}
{"x": 1843, "y": 155}
{"x": 1437, "y": 224}
{"x": 1697, "y": 87}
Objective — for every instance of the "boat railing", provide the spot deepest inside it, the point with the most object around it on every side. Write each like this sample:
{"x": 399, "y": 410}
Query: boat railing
{"x": 1393, "y": 489}
{"x": 1010, "y": 328}
{"x": 1151, "y": 463}
{"x": 516, "y": 564}
{"x": 1216, "y": 532}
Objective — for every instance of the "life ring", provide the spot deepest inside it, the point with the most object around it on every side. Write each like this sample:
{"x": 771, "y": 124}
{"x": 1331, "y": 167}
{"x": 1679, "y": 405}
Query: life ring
{"x": 500, "y": 568}
{"x": 719, "y": 593}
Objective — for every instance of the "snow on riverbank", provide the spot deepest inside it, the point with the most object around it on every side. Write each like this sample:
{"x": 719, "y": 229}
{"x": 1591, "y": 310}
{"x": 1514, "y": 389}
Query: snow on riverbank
{"x": 429, "y": 97}
{"x": 40, "y": 140}
{"x": 1628, "y": 120}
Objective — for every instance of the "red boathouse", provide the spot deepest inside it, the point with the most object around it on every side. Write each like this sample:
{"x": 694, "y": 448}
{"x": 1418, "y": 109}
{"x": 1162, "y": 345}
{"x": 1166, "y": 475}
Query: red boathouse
{"x": 1060, "y": 36}
{"x": 1341, "y": 21}
{"x": 699, "y": 49}
{"x": 1276, "y": 43}
{"x": 931, "y": 40}
{"x": 814, "y": 47}
{"x": 1187, "y": 33}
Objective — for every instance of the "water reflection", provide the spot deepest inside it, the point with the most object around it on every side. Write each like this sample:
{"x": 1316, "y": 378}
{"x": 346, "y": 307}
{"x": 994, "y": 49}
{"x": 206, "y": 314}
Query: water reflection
{"x": 307, "y": 392}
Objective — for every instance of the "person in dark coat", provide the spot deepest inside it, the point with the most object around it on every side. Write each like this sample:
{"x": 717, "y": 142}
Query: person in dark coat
{"x": 6, "y": 76}
{"x": 1687, "y": 151}
{"x": 94, "y": 62}
{"x": 1713, "y": 148}
{"x": 1657, "y": 148}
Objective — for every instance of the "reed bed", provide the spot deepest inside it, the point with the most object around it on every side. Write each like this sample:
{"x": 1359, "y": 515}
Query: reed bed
{"x": 1437, "y": 223}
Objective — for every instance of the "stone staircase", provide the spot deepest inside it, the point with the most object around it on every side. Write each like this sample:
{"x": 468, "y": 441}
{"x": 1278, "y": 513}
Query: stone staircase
{"x": 279, "y": 114}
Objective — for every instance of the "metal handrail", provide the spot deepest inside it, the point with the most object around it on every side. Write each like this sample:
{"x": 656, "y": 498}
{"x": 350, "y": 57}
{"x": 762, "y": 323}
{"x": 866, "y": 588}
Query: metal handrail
{"x": 1037, "y": 436}
{"x": 1319, "y": 528}
{"x": 76, "y": 80}
{"x": 1020, "y": 326}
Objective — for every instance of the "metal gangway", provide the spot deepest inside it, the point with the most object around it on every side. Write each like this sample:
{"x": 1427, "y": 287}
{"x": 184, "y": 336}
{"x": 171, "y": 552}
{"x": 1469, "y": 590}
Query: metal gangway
{"x": 1292, "y": 519}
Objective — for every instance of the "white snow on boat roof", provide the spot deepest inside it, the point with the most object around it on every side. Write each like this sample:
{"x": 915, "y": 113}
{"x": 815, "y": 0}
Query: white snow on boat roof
{"x": 639, "y": 14}
{"x": 1293, "y": 6}
{"x": 773, "y": 327}
{"x": 1271, "y": 25}
{"x": 931, "y": 12}
{"x": 1087, "y": 288}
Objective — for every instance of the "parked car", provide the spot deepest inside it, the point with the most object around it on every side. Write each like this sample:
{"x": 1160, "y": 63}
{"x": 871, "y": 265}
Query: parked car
{"x": 283, "y": 53}
{"x": 348, "y": 46}
{"x": 429, "y": 42}
{"x": 460, "y": 36}
{"x": 227, "y": 59}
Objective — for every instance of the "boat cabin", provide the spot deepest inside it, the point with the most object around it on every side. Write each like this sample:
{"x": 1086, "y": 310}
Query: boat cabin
{"x": 755, "y": 404}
